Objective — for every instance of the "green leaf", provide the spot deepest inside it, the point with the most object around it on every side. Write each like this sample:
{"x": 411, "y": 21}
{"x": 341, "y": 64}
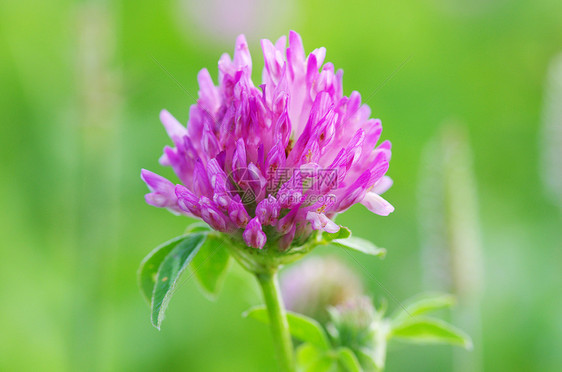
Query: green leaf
{"x": 367, "y": 361}
{"x": 422, "y": 304}
{"x": 312, "y": 359}
{"x": 169, "y": 272}
{"x": 424, "y": 330}
{"x": 360, "y": 245}
{"x": 307, "y": 354}
{"x": 348, "y": 359}
{"x": 301, "y": 327}
{"x": 151, "y": 263}
{"x": 197, "y": 227}
{"x": 343, "y": 233}
{"x": 210, "y": 265}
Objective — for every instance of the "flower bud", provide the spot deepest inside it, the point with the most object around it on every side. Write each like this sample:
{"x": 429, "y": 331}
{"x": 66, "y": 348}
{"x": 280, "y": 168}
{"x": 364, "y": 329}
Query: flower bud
{"x": 317, "y": 283}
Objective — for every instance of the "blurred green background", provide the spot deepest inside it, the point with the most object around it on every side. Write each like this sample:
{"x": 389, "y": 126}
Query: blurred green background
{"x": 79, "y": 101}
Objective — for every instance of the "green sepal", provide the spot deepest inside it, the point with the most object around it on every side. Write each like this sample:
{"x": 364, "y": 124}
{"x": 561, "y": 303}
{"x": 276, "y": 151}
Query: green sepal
{"x": 343, "y": 233}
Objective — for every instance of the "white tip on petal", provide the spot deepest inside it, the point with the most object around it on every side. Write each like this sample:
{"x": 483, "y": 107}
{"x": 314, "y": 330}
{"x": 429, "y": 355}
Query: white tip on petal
{"x": 376, "y": 204}
{"x": 331, "y": 227}
{"x": 319, "y": 221}
{"x": 382, "y": 185}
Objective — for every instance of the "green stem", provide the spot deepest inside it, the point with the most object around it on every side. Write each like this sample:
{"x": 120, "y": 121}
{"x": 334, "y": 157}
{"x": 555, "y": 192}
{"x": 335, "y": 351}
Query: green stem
{"x": 278, "y": 321}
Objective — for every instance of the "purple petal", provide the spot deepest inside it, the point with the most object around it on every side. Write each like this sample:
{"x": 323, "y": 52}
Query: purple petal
{"x": 208, "y": 93}
{"x": 268, "y": 210}
{"x": 382, "y": 185}
{"x": 187, "y": 201}
{"x": 238, "y": 214}
{"x": 376, "y": 204}
{"x": 319, "y": 221}
{"x": 242, "y": 56}
{"x": 175, "y": 130}
{"x": 211, "y": 214}
{"x": 295, "y": 52}
{"x": 162, "y": 193}
{"x": 253, "y": 234}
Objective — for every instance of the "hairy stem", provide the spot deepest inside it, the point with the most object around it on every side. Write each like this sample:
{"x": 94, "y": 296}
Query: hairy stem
{"x": 278, "y": 321}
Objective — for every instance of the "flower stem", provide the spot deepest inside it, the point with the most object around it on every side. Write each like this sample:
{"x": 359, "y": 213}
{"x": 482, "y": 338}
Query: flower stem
{"x": 277, "y": 320}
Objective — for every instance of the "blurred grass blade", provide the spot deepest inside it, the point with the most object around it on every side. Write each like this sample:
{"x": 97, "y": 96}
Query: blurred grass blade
{"x": 360, "y": 245}
{"x": 425, "y": 330}
{"x": 211, "y": 264}
{"x": 301, "y": 327}
{"x": 170, "y": 270}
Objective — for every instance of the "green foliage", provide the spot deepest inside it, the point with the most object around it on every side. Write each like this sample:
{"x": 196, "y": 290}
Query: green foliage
{"x": 343, "y": 239}
{"x": 343, "y": 233}
{"x": 359, "y": 334}
{"x": 312, "y": 359}
{"x": 410, "y": 325}
{"x": 211, "y": 264}
{"x": 198, "y": 227}
{"x": 160, "y": 271}
{"x": 360, "y": 245}
{"x": 301, "y": 327}
{"x": 169, "y": 272}
{"x": 422, "y": 304}
{"x": 425, "y": 330}
{"x": 349, "y": 360}
{"x": 151, "y": 263}
{"x": 367, "y": 361}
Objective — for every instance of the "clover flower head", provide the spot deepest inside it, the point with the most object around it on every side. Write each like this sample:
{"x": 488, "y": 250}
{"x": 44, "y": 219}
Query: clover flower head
{"x": 270, "y": 164}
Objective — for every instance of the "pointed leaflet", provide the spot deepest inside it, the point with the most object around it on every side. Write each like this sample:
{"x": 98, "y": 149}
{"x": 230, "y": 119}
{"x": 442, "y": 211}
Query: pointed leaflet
{"x": 170, "y": 270}
{"x": 360, "y": 245}
{"x": 343, "y": 239}
{"x": 422, "y": 304}
{"x": 425, "y": 330}
{"x": 151, "y": 263}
